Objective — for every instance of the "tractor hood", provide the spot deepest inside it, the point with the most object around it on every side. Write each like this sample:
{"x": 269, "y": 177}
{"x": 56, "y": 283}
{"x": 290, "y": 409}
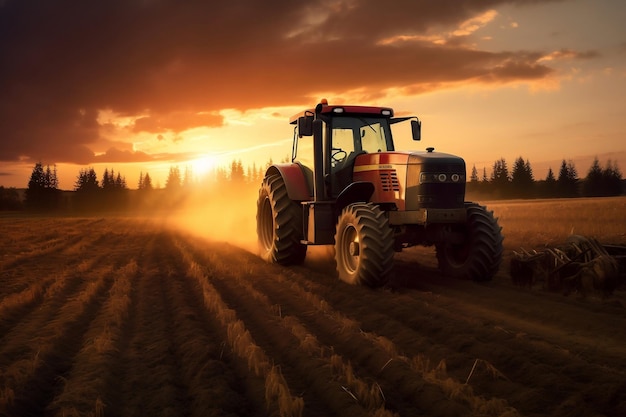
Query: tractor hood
{"x": 429, "y": 158}
{"x": 414, "y": 180}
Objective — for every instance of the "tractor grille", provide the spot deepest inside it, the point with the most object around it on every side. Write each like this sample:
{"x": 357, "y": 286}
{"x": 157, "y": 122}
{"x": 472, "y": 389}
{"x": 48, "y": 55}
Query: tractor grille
{"x": 432, "y": 192}
{"x": 389, "y": 181}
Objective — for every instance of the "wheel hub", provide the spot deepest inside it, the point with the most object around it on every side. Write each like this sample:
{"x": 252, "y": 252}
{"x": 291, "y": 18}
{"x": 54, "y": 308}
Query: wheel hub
{"x": 354, "y": 248}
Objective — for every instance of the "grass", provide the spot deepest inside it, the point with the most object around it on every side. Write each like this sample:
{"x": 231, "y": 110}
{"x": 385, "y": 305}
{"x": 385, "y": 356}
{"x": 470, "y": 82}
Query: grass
{"x": 534, "y": 223}
{"x": 367, "y": 394}
{"x": 277, "y": 392}
{"x": 525, "y": 224}
{"x": 80, "y": 394}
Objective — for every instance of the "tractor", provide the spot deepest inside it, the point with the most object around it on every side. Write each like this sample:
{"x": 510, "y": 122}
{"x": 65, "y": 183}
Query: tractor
{"x": 347, "y": 186}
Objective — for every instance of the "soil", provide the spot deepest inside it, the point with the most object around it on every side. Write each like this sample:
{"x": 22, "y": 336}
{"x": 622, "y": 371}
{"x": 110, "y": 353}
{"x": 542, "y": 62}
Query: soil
{"x": 129, "y": 317}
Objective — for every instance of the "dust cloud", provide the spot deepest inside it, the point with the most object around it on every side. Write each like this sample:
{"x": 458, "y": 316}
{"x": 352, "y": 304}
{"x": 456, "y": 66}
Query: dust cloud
{"x": 229, "y": 215}
{"x": 226, "y": 215}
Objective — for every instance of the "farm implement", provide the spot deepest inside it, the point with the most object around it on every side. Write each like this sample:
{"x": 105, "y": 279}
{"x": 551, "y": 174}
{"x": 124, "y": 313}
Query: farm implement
{"x": 581, "y": 264}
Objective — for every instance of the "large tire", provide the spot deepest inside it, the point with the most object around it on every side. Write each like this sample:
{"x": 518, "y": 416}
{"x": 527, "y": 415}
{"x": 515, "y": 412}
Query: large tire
{"x": 364, "y": 245}
{"x": 279, "y": 224}
{"x": 478, "y": 258}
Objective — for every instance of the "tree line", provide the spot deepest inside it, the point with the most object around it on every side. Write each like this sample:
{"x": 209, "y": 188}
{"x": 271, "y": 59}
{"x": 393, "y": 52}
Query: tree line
{"x": 111, "y": 192}
{"x": 519, "y": 182}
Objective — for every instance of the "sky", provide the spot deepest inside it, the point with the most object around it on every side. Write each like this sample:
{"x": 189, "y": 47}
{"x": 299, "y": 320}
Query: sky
{"x": 145, "y": 85}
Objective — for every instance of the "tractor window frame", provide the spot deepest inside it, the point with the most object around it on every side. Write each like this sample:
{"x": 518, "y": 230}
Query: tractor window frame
{"x": 302, "y": 152}
{"x": 361, "y": 126}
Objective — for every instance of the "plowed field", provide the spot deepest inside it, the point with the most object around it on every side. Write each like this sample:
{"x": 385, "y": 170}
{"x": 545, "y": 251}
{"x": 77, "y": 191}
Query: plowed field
{"x": 131, "y": 317}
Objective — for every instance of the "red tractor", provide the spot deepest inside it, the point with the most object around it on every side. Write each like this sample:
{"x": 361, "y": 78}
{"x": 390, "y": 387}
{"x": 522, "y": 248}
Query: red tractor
{"x": 347, "y": 186}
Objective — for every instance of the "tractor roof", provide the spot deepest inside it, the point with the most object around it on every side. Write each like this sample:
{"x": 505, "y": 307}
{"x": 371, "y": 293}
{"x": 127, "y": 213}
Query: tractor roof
{"x": 344, "y": 110}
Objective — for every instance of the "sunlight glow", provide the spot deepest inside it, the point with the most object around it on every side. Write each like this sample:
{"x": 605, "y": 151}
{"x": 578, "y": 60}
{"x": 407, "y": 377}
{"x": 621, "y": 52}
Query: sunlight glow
{"x": 203, "y": 165}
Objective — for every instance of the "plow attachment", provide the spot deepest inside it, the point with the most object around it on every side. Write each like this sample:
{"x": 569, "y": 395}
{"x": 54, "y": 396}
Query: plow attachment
{"x": 581, "y": 264}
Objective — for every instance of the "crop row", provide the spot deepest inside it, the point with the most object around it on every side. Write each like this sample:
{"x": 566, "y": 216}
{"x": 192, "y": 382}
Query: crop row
{"x": 339, "y": 330}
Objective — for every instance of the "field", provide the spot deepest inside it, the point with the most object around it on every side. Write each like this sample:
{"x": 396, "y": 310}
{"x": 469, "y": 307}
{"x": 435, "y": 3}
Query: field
{"x": 176, "y": 316}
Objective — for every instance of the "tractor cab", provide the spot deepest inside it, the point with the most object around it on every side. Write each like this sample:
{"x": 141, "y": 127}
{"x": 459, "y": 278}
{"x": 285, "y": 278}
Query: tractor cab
{"x": 345, "y": 133}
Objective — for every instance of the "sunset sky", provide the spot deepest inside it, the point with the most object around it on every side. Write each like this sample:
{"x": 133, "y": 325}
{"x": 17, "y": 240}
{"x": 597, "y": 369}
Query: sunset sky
{"x": 143, "y": 85}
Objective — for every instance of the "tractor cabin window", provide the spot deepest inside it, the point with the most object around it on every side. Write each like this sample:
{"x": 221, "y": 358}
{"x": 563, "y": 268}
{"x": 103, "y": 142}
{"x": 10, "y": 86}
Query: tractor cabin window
{"x": 355, "y": 135}
{"x": 373, "y": 138}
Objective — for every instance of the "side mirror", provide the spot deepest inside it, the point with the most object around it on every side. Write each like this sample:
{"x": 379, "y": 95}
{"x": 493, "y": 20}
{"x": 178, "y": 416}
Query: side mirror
{"x": 305, "y": 126}
{"x": 416, "y": 129}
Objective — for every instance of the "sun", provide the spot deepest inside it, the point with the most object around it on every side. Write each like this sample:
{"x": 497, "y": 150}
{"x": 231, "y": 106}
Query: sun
{"x": 203, "y": 165}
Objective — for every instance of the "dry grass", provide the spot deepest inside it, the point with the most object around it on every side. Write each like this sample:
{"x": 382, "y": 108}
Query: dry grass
{"x": 89, "y": 373}
{"x": 357, "y": 380}
{"x": 369, "y": 395}
{"x": 366, "y": 393}
{"x": 277, "y": 391}
{"x": 533, "y": 223}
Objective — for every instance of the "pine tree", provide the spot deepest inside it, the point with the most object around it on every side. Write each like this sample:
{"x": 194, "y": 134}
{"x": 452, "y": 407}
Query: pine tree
{"x": 549, "y": 186}
{"x": 500, "y": 178}
{"x": 147, "y": 182}
{"x": 236, "y": 172}
{"x": 42, "y": 191}
{"x": 173, "y": 181}
{"x": 612, "y": 178}
{"x": 108, "y": 180}
{"x": 474, "y": 175}
{"x": 36, "y": 186}
{"x": 87, "y": 181}
{"x": 188, "y": 178}
{"x": 522, "y": 179}
{"x": 529, "y": 171}
{"x": 593, "y": 185}
{"x": 37, "y": 177}
{"x": 568, "y": 180}
{"x": 120, "y": 182}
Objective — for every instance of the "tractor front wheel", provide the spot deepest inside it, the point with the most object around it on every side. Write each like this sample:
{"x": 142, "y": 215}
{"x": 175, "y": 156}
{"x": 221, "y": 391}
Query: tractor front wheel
{"x": 479, "y": 255}
{"x": 364, "y": 245}
{"x": 279, "y": 224}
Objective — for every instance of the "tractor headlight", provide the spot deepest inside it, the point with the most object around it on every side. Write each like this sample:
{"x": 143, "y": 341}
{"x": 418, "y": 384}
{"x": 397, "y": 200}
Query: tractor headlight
{"x": 439, "y": 178}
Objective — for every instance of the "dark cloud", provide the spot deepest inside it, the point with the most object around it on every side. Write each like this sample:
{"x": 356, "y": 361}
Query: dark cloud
{"x": 176, "y": 121}
{"x": 178, "y": 63}
{"x": 118, "y": 155}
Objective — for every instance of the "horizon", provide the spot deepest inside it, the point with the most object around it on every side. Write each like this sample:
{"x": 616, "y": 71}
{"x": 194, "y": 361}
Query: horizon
{"x": 204, "y": 178}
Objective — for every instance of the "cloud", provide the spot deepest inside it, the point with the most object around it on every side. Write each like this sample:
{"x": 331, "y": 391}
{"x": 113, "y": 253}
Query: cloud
{"x": 118, "y": 155}
{"x": 564, "y": 54}
{"x": 176, "y": 121}
{"x": 174, "y": 65}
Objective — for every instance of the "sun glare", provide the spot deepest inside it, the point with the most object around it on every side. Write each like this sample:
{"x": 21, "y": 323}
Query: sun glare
{"x": 203, "y": 165}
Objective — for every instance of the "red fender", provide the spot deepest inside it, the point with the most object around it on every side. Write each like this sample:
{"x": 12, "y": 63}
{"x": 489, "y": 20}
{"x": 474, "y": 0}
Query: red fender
{"x": 295, "y": 180}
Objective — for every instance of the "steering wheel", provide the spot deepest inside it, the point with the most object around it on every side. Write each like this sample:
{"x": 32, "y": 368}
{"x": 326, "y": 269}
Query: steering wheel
{"x": 337, "y": 156}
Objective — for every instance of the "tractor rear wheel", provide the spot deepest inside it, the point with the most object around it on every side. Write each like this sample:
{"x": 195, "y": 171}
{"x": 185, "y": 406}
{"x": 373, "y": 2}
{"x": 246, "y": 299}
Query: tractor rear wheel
{"x": 364, "y": 245}
{"x": 479, "y": 256}
{"x": 279, "y": 224}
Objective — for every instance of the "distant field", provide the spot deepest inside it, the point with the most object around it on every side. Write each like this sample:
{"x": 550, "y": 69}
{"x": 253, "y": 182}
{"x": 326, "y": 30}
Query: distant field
{"x": 537, "y": 222}
{"x": 127, "y": 316}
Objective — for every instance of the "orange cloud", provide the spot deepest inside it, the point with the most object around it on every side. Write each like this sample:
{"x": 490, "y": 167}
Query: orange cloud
{"x": 176, "y": 121}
